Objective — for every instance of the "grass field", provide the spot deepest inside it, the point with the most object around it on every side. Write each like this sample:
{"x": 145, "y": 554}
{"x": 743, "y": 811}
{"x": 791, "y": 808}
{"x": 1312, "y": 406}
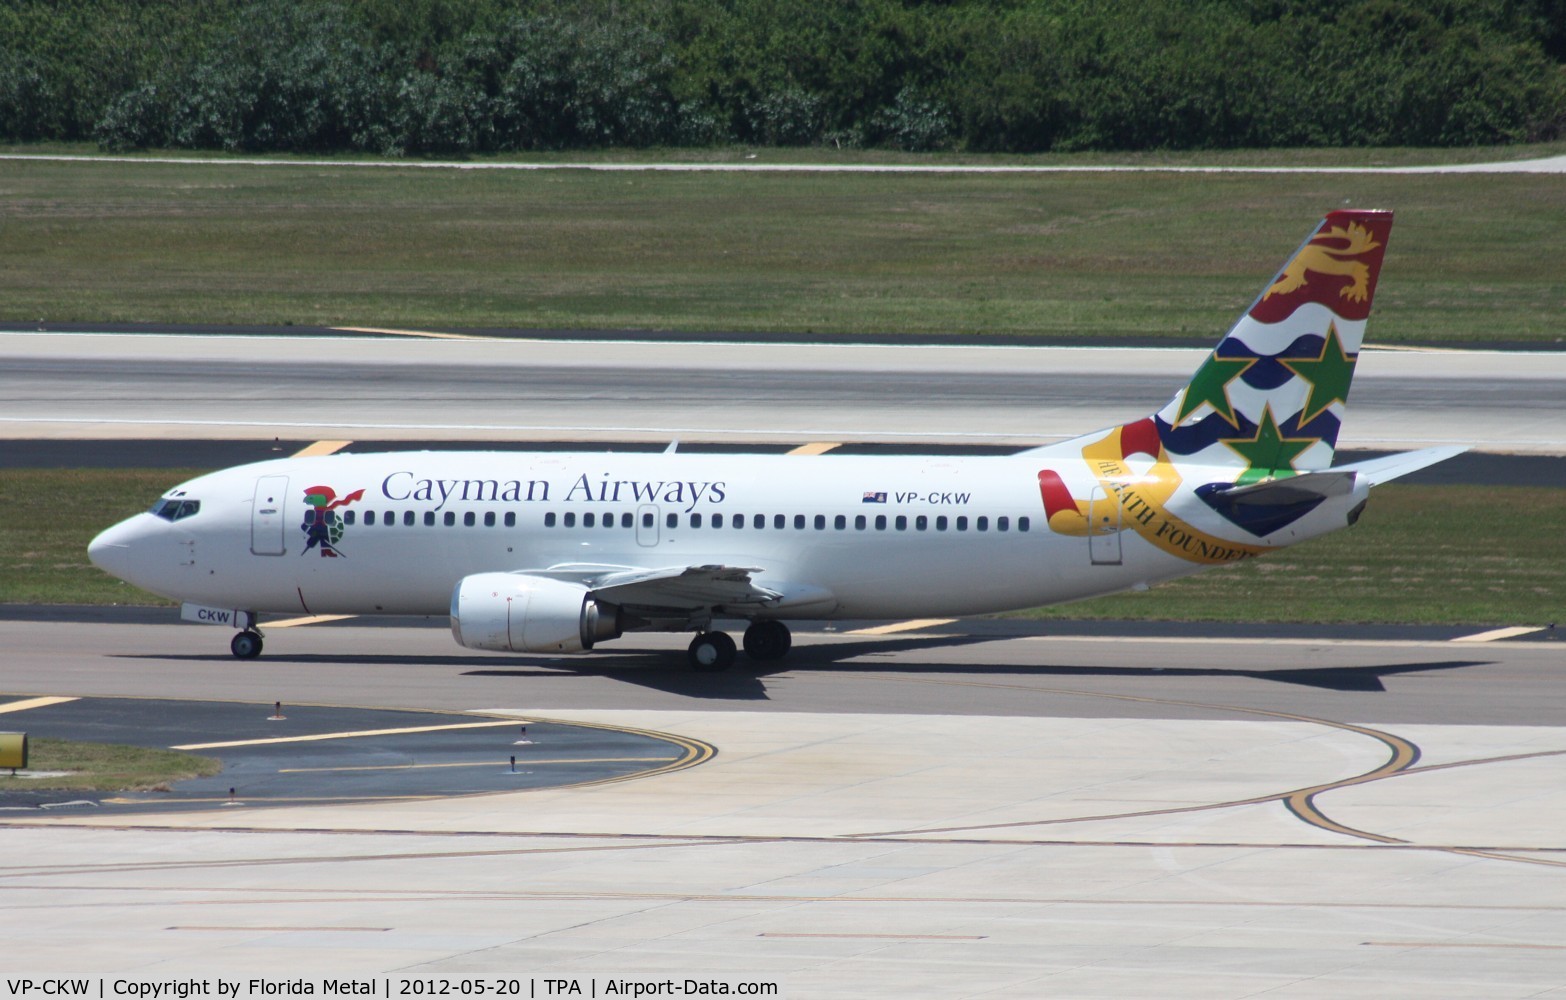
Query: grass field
{"x": 1438, "y": 554}
{"x": 105, "y": 767}
{"x": 1473, "y": 258}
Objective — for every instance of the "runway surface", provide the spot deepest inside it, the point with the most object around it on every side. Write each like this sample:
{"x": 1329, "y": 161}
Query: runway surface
{"x": 935, "y": 813}
{"x": 129, "y": 386}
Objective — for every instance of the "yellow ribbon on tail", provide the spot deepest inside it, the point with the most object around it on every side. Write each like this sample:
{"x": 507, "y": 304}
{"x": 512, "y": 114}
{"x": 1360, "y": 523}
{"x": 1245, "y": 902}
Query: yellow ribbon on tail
{"x": 1141, "y": 498}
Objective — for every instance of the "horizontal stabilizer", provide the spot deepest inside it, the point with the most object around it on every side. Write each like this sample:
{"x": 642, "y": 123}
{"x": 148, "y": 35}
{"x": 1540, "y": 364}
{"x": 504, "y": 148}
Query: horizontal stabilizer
{"x": 1383, "y": 470}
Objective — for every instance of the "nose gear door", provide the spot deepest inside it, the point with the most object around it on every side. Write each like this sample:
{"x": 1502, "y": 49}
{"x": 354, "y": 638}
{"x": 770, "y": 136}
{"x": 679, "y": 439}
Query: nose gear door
{"x": 267, "y": 516}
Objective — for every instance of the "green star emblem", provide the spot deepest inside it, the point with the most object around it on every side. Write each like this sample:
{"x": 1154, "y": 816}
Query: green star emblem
{"x": 1268, "y": 455}
{"x": 1210, "y": 385}
{"x": 1329, "y": 375}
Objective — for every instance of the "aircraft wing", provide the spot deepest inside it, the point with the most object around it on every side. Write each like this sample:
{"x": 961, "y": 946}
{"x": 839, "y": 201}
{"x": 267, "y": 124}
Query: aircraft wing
{"x": 685, "y": 588}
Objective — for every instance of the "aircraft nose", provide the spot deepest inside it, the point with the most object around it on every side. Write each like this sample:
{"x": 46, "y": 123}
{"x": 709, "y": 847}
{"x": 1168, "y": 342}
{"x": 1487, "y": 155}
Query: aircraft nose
{"x": 113, "y": 550}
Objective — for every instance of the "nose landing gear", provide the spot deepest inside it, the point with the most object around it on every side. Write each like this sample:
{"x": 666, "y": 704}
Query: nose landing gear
{"x": 246, "y": 645}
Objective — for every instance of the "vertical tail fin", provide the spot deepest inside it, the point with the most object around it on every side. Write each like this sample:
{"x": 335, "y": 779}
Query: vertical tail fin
{"x": 1271, "y": 396}
{"x": 1265, "y": 405}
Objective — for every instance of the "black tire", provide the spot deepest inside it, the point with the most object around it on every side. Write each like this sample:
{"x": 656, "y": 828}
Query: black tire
{"x": 246, "y": 645}
{"x": 711, "y": 651}
{"x": 768, "y": 640}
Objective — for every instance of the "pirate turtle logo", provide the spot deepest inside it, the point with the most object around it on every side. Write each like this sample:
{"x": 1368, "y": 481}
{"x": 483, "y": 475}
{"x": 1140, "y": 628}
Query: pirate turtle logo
{"x": 323, "y": 526}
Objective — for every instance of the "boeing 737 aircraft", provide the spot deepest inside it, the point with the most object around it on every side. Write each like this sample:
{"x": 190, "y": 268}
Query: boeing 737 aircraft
{"x": 554, "y": 553}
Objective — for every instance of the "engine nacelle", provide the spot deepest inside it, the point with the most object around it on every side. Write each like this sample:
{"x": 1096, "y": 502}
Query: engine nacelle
{"x": 518, "y": 613}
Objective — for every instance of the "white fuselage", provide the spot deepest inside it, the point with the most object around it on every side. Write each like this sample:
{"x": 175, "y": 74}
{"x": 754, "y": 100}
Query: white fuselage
{"x": 952, "y": 536}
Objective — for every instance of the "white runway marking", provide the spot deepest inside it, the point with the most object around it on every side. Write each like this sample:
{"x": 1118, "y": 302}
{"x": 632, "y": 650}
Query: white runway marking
{"x": 1546, "y": 165}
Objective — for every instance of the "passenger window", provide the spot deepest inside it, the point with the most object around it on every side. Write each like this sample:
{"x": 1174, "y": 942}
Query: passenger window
{"x": 626, "y": 520}
{"x": 717, "y": 520}
{"x": 1022, "y": 524}
{"x": 429, "y": 519}
{"x": 921, "y": 522}
{"x": 450, "y": 520}
{"x": 489, "y": 519}
{"x": 859, "y": 523}
{"x": 982, "y": 523}
{"x": 647, "y": 520}
{"x": 469, "y": 519}
{"x": 839, "y": 522}
{"x": 569, "y": 521}
{"x": 799, "y": 522}
{"x": 902, "y": 522}
{"x": 347, "y": 517}
{"x": 672, "y": 521}
{"x": 407, "y": 518}
{"x": 880, "y": 522}
{"x": 549, "y": 519}
{"x": 1003, "y": 524}
{"x": 511, "y": 519}
{"x": 820, "y": 522}
{"x": 738, "y": 520}
{"x": 779, "y": 521}
{"x": 588, "y": 520}
{"x": 759, "y": 521}
{"x": 940, "y": 523}
{"x": 962, "y": 522}
{"x": 695, "y": 520}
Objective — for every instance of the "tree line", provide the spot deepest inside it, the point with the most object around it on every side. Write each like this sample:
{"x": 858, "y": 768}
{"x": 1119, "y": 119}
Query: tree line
{"x": 452, "y": 77}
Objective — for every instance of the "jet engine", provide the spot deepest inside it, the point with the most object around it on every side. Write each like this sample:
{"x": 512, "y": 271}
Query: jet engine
{"x": 518, "y": 613}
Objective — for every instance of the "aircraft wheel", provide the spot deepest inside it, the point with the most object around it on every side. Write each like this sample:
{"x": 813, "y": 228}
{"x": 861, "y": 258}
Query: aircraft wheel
{"x": 767, "y": 640}
{"x": 712, "y": 651}
{"x": 246, "y": 645}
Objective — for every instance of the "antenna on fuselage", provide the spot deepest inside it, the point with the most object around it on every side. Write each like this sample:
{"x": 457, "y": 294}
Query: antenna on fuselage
{"x": 674, "y": 446}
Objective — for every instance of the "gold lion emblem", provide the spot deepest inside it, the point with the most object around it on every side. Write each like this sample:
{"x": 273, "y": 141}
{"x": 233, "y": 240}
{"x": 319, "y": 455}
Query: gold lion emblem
{"x": 1327, "y": 260}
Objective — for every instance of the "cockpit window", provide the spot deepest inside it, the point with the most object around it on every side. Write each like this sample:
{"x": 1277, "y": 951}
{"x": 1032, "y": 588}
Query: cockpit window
{"x": 175, "y": 510}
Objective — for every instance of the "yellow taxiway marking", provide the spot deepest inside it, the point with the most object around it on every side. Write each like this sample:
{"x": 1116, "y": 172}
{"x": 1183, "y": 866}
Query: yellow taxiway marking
{"x": 309, "y": 620}
{"x": 428, "y": 334}
{"x": 815, "y": 448}
{"x": 493, "y": 724}
{"x": 529, "y": 761}
{"x": 22, "y": 706}
{"x": 321, "y": 448}
{"x": 907, "y": 626}
{"x": 1500, "y": 633}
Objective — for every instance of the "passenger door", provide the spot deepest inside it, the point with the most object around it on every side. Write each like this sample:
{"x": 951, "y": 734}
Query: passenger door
{"x": 267, "y": 516}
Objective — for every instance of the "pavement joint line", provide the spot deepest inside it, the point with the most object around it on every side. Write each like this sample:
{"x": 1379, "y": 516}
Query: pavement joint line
{"x": 30, "y": 703}
{"x": 529, "y": 761}
{"x": 493, "y": 724}
{"x": 1462, "y": 944}
{"x": 307, "y": 620}
{"x": 327, "y": 447}
{"x": 907, "y": 626}
{"x": 1500, "y": 633}
{"x": 815, "y": 448}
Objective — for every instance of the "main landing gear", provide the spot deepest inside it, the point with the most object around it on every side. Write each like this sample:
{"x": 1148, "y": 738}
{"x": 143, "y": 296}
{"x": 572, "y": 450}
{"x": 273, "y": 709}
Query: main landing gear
{"x": 764, "y": 640}
{"x": 246, "y": 645}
